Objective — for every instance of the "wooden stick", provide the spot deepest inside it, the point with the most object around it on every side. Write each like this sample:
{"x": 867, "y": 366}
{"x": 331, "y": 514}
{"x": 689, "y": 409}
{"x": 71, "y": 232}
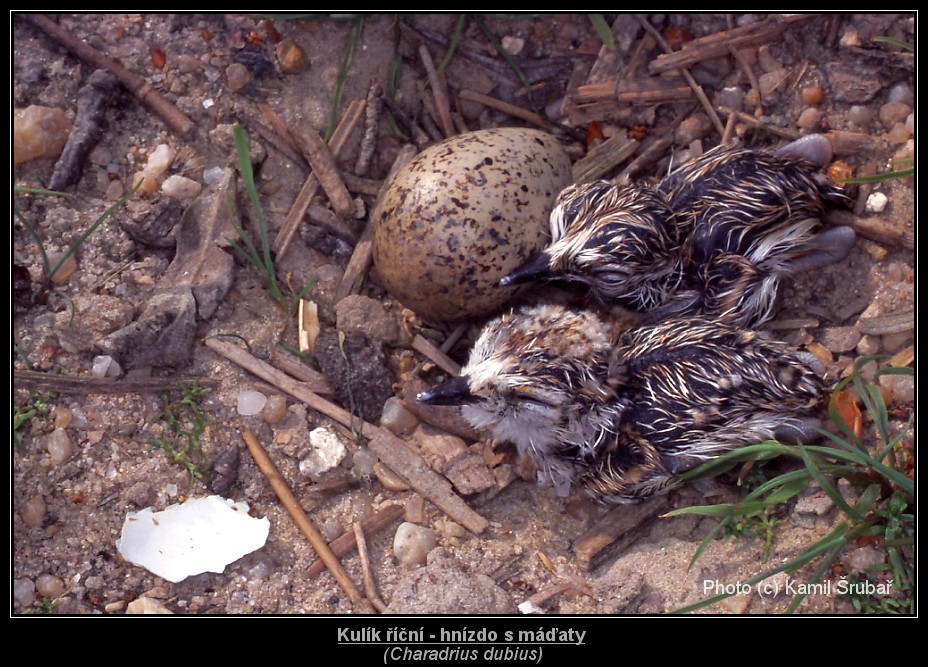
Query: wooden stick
{"x": 143, "y": 90}
{"x": 372, "y": 110}
{"x": 370, "y": 586}
{"x": 289, "y": 363}
{"x": 90, "y": 385}
{"x": 293, "y": 507}
{"x": 428, "y": 349}
{"x": 748, "y": 119}
{"x": 439, "y": 91}
{"x": 717, "y": 44}
{"x": 286, "y": 383}
{"x": 616, "y": 529}
{"x": 336, "y": 144}
{"x": 406, "y": 461}
{"x": 322, "y": 161}
{"x": 697, "y": 89}
{"x": 345, "y": 543}
{"x": 396, "y": 454}
{"x": 506, "y": 107}
{"x": 602, "y": 159}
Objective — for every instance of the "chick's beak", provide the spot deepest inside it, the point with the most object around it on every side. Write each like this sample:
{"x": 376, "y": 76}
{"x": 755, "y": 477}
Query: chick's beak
{"x": 536, "y": 267}
{"x": 451, "y": 392}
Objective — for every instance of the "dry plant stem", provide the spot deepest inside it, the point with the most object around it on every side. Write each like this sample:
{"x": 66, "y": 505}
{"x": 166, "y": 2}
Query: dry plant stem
{"x": 293, "y": 507}
{"x": 396, "y": 454}
{"x": 345, "y": 543}
{"x": 406, "y": 462}
{"x": 616, "y": 529}
{"x": 334, "y": 223}
{"x": 315, "y": 381}
{"x": 748, "y": 119}
{"x": 321, "y": 160}
{"x": 362, "y": 186}
{"x": 439, "y": 91}
{"x": 632, "y": 91}
{"x": 713, "y": 46}
{"x": 443, "y": 361}
{"x": 729, "y": 130}
{"x": 361, "y": 257}
{"x": 506, "y": 107}
{"x": 278, "y": 125}
{"x": 454, "y": 336}
{"x": 295, "y": 215}
{"x": 697, "y": 89}
{"x": 749, "y": 73}
{"x": 574, "y": 585}
{"x": 370, "y": 586}
{"x": 143, "y": 90}
{"x": 81, "y": 385}
{"x": 603, "y": 158}
{"x": 372, "y": 110}
{"x": 284, "y": 382}
{"x": 873, "y": 229}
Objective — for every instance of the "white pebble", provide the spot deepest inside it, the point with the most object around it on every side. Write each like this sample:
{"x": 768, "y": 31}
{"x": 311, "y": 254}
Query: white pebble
{"x": 211, "y": 175}
{"x": 327, "y": 452}
{"x": 876, "y": 202}
{"x": 412, "y": 543}
{"x": 180, "y": 187}
{"x": 105, "y": 366}
{"x": 59, "y": 446}
{"x": 144, "y": 605}
{"x": 251, "y": 403}
{"x": 364, "y": 461}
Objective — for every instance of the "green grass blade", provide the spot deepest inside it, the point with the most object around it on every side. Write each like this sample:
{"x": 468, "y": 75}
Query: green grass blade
{"x": 453, "y": 45}
{"x": 826, "y": 486}
{"x": 603, "y": 30}
{"x": 353, "y": 38}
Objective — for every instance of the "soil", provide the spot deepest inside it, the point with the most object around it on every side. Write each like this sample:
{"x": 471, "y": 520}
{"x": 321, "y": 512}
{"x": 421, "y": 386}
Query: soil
{"x": 220, "y": 69}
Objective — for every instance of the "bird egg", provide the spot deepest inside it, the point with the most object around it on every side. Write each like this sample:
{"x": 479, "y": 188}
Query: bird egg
{"x": 464, "y": 213}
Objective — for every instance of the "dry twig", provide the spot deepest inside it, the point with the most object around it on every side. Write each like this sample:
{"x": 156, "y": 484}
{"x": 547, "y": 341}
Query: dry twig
{"x": 439, "y": 91}
{"x": 346, "y": 543}
{"x": 370, "y": 586}
{"x": 138, "y": 86}
{"x": 300, "y": 205}
{"x": 322, "y": 161}
{"x": 84, "y": 385}
{"x": 293, "y": 507}
{"x": 426, "y": 348}
{"x": 506, "y": 107}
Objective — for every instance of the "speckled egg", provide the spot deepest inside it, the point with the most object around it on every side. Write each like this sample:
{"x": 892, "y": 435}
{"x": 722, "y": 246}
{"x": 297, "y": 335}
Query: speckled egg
{"x": 463, "y": 214}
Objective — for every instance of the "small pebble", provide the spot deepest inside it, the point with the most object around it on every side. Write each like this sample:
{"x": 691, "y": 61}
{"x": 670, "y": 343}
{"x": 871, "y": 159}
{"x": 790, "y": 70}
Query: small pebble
{"x": 809, "y": 118}
{"x": 238, "y": 76}
{"x": 23, "y": 592}
{"x": 147, "y": 606}
{"x": 860, "y": 115}
{"x": 158, "y": 163}
{"x": 33, "y": 511}
{"x": 451, "y": 529}
{"x": 812, "y": 95}
{"x": 326, "y": 453}
{"x": 414, "y": 509}
{"x": 363, "y": 461}
{"x": 331, "y": 528}
{"x": 105, "y": 366}
{"x": 251, "y": 403}
{"x": 899, "y": 134}
{"x": 211, "y": 175}
{"x": 180, "y": 187}
{"x": 868, "y": 345}
{"x": 64, "y": 271}
{"x": 290, "y": 57}
{"x": 390, "y": 480}
{"x": 902, "y": 387}
{"x": 396, "y": 418}
{"x": 902, "y": 92}
{"x": 39, "y": 132}
{"x": 876, "y": 202}
{"x": 49, "y": 586}
{"x": 59, "y": 446}
{"x": 893, "y": 112}
{"x": 186, "y": 63}
{"x": 61, "y": 416}
{"x": 274, "y": 409}
{"x": 513, "y": 45}
{"x": 412, "y": 543}
{"x": 850, "y": 38}
{"x": 731, "y": 97}
{"x": 770, "y": 82}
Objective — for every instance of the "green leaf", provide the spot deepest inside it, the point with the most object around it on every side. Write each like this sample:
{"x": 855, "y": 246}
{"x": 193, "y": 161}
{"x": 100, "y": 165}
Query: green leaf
{"x": 603, "y": 30}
